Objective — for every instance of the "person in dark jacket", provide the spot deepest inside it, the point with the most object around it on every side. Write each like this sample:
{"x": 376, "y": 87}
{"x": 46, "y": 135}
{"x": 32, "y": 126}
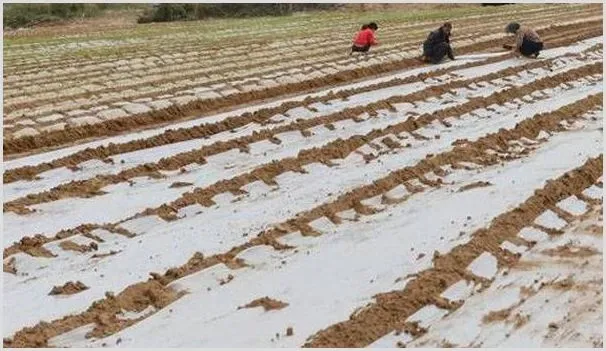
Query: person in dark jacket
{"x": 437, "y": 44}
{"x": 527, "y": 41}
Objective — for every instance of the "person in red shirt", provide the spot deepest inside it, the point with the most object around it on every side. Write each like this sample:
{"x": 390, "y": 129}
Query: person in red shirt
{"x": 365, "y": 38}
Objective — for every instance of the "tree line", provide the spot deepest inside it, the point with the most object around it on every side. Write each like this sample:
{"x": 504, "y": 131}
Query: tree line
{"x": 18, "y": 15}
{"x": 185, "y": 12}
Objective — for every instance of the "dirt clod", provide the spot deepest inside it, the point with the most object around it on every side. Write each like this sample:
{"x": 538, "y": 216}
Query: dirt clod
{"x": 69, "y": 245}
{"x": 110, "y": 253}
{"x": 180, "y": 185}
{"x": 479, "y": 184}
{"x": 9, "y": 266}
{"x": 267, "y": 303}
{"x": 226, "y": 280}
{"x": 68, "y": 288}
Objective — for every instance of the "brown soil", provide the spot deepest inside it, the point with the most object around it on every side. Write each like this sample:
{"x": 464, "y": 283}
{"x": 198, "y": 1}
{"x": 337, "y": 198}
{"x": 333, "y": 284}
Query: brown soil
{"x": 261, "y": 116}
{"x": 224, "y": 281}
{"x": 93, "y": 237}
{"x": 68, "y": 288}
{"x": 103, "y": 255}
{"x": 173, "y": 113}
{"x": 341, "y": 149}
{"x": 520, "y": 320}
{"x": 377, "y": 319}
{"x": 103, "y": 313}
{"x": 414, "y": 36}
{"x": 553, "y": 326}
{"x": 530, "y": 129}
{"x": 590, "y": 201}
{"x": 412, "y": 328}
{"x": 564, "y": 284}
{"x": 334, "y": 40}
{"x": 69, "y": 245}
{"x": 34, "y": 245}
{"x": 186, "y": 75}
{"x": 414, "y": 31}
{"x": 497, "y": 316}
{"x": 568, "y": 217}
{"x": 527, "y": 265}
{"x": 9, "y": 266}
{"x": 180, "y": 184}
{"x": 197, "y": 263}
{"x": 526, "y": 292}
{"x": 204, "y": 55}
{"x": 474, "y": 185}
{"x": 447, "y": 344}
{"x": 570, "y": 250}
{"x": 108, "y": 325}
{"x": 267, "y": 303}
{"x": 595, "y": 229}
{"x": 390, "y": 143}
{"x": 545, "y": 18}
{"x": 203, "y": 131}
{"x": 185, "y": 46}
{"x": 549, "y": 231}
{"x": 336, "y": 149}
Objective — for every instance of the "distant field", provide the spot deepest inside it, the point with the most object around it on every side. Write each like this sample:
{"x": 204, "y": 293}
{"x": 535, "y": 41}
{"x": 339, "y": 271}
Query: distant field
{"x": 237, "y": 183}
{"x": 56, "y": 87}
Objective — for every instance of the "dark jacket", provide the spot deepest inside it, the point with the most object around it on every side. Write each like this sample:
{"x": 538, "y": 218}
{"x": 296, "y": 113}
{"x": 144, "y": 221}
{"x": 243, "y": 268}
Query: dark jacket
{"x": 436, "y": 37}
{"x": 437, "y": 45}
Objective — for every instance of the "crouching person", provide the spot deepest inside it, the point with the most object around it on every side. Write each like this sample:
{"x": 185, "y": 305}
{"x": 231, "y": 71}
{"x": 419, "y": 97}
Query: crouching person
{"x": 527, "y": 41}
{"x": 437, "y": 45}
{"x": 365, "y": 38}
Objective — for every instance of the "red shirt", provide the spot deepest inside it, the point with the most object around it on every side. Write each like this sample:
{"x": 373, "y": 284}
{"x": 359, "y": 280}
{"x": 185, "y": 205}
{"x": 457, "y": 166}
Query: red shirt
{"x": 365, "y": 37}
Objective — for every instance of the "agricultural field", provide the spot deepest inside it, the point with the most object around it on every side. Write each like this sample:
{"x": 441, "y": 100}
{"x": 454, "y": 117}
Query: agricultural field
{"x": 247, "y": 183}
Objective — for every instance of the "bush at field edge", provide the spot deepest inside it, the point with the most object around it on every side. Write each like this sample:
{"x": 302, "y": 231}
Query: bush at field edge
{"x": 189, "y": 12}
{"x": 19, "y": 15}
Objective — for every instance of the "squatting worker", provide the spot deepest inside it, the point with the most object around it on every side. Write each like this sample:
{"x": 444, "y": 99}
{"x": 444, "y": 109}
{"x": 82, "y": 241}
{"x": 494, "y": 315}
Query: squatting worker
{"x": 437, "y": 44}
{"x": 365, "y": 38}
{"x": 527, "y": 41}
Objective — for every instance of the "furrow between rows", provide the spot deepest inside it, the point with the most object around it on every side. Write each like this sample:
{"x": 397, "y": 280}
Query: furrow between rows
{"x": 159, "y": 295}
{"x": 128, "y": 123}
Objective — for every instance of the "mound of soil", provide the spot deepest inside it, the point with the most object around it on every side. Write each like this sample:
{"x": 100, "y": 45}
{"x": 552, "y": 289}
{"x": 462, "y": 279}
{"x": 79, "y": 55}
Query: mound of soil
{"x": 267, "y": 303}
{"x": 68, "y": 288}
